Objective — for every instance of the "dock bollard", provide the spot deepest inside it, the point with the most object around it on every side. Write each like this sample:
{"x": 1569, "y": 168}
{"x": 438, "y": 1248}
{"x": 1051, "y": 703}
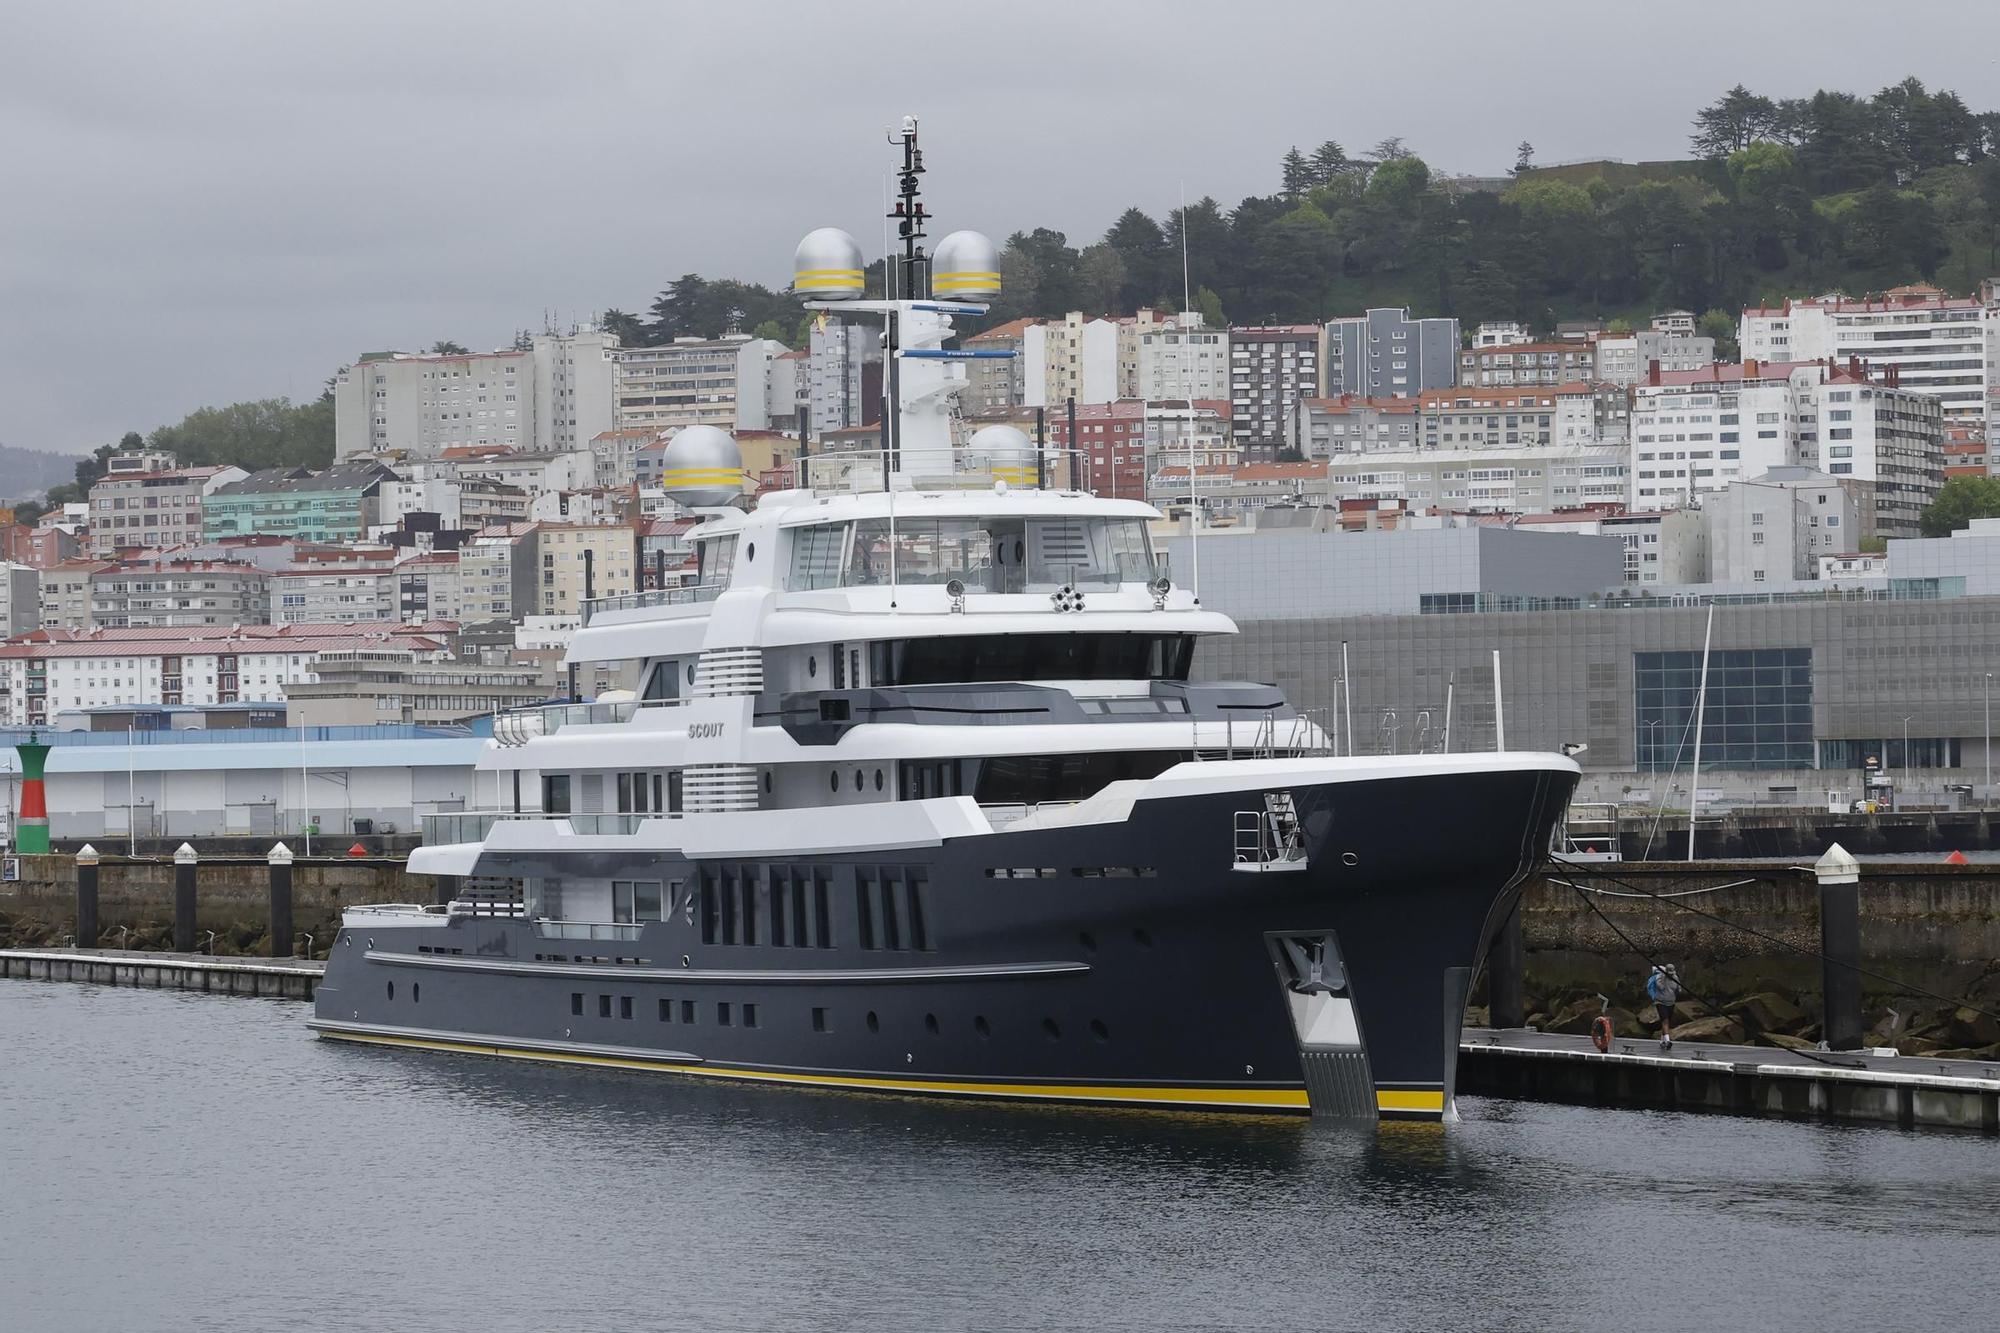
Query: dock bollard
{"x": 1504, "y": 965}
{"x": 280, "y": 860}
{"x": 86, "y": 897}
{"x": 184, "y": 868}
{"x": 1839, "y": 878}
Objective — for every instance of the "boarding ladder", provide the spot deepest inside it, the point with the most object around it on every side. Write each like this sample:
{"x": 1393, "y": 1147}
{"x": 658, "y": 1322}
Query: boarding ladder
{"x": 1271, "y": 838}
{"x": 1589, "y": 832}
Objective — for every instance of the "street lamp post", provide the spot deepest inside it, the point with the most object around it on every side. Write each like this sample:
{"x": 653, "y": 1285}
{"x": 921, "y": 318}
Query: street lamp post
{"x": 1898, "y": 798}
{"x": 1652, "y": 748}
{"x": 1989, "y": 739}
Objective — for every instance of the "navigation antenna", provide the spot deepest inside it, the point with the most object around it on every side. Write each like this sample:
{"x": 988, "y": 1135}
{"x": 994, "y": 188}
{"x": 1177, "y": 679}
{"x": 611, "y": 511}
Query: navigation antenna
{"x": 1194, "y": 491}
{"x": 909, "y": 215}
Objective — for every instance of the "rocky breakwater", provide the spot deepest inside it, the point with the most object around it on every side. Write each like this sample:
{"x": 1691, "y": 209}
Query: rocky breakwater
{"x": 1746, "y": 939}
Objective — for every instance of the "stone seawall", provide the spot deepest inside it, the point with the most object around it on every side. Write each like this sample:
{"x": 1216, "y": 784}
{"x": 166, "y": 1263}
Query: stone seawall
{"x": 232, "y": 899}
{"x": 1929, "y": 926}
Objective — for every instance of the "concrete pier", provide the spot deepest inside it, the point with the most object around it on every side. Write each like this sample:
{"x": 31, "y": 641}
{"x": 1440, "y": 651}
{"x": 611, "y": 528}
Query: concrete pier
{"x": 1910, "y": 1091}
{"x": 288, "y": 979}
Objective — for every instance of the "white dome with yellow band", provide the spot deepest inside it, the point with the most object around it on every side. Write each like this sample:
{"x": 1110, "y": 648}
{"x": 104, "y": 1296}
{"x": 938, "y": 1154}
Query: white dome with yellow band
{"x": 703, "y": 468}
{"x": 827, "y": 267}
{"x": 966, "y": 267}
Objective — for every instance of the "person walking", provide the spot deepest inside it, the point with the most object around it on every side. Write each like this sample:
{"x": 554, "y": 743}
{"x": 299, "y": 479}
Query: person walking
{"x": 1663, "y": 988}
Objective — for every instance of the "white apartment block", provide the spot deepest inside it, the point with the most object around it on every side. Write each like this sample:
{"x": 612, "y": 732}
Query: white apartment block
{"x": 429, "y": 587}
{"x": 344, "y": 594}
{"x": 553, "y": 396}
{"x": 576, "y": 376}
{"x": 1775, "y": 528}
{"x": 65, "y": 593}
{"x": 1071, "y": 357}
{"x": 534, "y": 473}
{"x": 1482, "y": 480}
{"x": 247, "y": 664}
{"x": 1501, "y": 333}
{"x": 1665, "y": 546}
{"x": 613, "y": 452}
{"x": 1625, "y": 358}
{"x": 843, "y": 375}
{"x": 163, "y": 594}
{"x": 438, "y": 495}
{"x": 1696, "y": 432}
{"x": 420, "y": 406}
{"x": 722, "y": 382}
{"x": 567, "y": 579}
{"x": 496, "y": 575}
{"x": 152, "y": 510}
{"x": 1945, "y": 347}
{"x": 1179, "y": 358}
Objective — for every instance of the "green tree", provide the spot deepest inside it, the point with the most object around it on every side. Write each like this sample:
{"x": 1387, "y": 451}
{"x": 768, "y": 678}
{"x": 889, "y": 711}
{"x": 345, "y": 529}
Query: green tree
{"x": 271, "y": 432}
{"x": 629, "y": 329}
{"x": 442, "y": 348}
{"x": 1524, "y": 157}
{"x": 1721, "y": 326}
{"x": 773, "y": 330}
{"x": 1958, "y": 502}
{"x": 1329, "y": 162}
{"x": 1296, "y": 173}
{"x": 1732, "y": 123}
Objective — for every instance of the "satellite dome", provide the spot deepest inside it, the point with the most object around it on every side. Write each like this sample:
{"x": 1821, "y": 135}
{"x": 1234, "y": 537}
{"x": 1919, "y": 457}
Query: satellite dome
{"x": 703, "y": 468}
{"x": 827, "y": 267}
{"x": 1006, "y": 452}
{"x": 966, "y": 267}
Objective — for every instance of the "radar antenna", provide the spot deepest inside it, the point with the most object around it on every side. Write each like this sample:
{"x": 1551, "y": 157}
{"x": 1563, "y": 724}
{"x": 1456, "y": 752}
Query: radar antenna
{"x": 909, "y": 215}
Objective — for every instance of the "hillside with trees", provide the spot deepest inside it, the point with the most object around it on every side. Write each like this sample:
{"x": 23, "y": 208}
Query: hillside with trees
{"x": 1780, "y": 197}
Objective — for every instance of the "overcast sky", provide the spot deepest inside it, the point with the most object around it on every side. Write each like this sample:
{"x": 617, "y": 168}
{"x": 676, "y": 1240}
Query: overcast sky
{"x": 217, "y": 200}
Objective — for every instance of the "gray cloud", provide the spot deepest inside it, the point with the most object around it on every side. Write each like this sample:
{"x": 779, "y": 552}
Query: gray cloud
{"x": 200, "y": 203}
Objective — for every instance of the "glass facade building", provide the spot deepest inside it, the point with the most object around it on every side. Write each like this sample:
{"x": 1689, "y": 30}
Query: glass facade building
{"x": 1759, "y": 713}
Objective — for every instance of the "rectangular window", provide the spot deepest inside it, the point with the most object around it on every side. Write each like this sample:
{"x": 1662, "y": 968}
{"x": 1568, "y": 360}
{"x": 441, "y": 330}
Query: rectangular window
{"x": 864, "y": 907}
{"x": 576, "y": 1003}
{"x": 687, "y": 1011}
{"x": 555, "y": 793}
{"x": 749, "y": 1015}
{"x": 604, "y": 1006}
{"x": 820, "y": 1023}
{"x": 722, "y": 1016}
{"x": 624, "y": 1006}
{"x": 666, "y": 1011}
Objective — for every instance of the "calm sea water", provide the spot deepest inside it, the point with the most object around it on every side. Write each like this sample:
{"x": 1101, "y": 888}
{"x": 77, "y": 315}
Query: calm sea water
{"x": 173, "y": 1161}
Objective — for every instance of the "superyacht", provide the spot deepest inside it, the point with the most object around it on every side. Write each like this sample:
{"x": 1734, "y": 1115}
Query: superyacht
{"x": 914, "y": 791}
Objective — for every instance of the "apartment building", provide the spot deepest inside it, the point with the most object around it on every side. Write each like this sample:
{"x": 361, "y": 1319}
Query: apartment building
{"x": 51, "y": 671}
{"x": 1072, "y": 357}
{"x": 361, "y": 687}
{"x": 1623, "y": 358}
{"x": 582, "y": 562}
{"x": 497, "y": 574}
{"x": 131, "y": 509}
{"x": 1697, "y": 431}
{"x": 64, "y": 593}
{"x": 344, "y": 593}
{"x": 1386, "y": 354}
{"x": 1941, "y": 346}
{"x": 1777, "y": 527}
{"x": 1110, "y": 445}
{"x": 1271, "y": 369}
{"x": 1525, "y": 364}
{"x": 337, "y": 505}
{"x": 1477, "y": 478}
{"x": 994, "y": 383}
{"x": 575, "y": 399}
{"x": 722, "y": 382}
{"x": 20, "y": 599}
{"x": 844, "y": 374}
{"x": 167, "y": 593}
{"x": 1177, "y": 357}
{"x": 612, "y": 452}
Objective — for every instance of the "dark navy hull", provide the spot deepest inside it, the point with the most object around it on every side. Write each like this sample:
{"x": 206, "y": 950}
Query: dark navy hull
{"x": 1127, "y": 962}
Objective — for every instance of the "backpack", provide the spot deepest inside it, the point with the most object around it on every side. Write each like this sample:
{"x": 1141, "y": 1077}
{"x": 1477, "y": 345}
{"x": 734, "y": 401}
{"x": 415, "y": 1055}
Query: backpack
{"x": 1653, "y": 986}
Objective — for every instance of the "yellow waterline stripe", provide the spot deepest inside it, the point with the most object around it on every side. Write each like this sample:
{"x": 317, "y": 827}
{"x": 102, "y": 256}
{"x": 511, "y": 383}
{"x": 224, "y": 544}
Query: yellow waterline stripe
{"x": 1288, "y": 1099}
{"x": 1390, "y": 1099}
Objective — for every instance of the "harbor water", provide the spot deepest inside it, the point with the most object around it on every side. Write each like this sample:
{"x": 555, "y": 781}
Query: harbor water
{"x": 177, "y": 1161}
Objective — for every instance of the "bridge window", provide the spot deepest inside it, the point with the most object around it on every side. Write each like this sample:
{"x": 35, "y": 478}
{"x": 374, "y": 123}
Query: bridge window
{"x": 960, "y": 659}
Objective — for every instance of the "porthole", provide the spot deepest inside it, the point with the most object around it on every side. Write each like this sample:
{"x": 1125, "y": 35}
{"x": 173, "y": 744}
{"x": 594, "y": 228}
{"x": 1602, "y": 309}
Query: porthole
{"x": 392, "y": 990}
{"x": 416, "y": 992}
{"x": 1099, "y": 1031}
{"x": 1088, "y": 941}
{"x": 749, "y": 552}
{"x": 979, "y": 1026}
{"x": 874, "y": 1023}
{"x": 812, "y": 666}
{"x": 858, "y": 778}
{"x": 690, "y": 673}
{"x": 1051, "y": 1029}
{"x": 878, "y": 779}
{"x": 833, "y": 781}
{"x": 931, "y": 1024}
{"x": 1142, "y": 939}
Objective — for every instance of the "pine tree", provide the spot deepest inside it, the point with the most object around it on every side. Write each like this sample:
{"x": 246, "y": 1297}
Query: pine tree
{"x": 1297, "y": 174}
{"x": 1524, "y": 157}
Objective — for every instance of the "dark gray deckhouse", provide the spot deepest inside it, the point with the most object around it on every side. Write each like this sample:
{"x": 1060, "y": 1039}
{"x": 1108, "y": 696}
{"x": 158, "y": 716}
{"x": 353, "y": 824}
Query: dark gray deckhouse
{"x": 911, "y": 792}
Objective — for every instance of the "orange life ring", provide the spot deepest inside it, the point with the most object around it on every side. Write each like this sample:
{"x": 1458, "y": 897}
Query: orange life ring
{"x": 1600, "y": 1032}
